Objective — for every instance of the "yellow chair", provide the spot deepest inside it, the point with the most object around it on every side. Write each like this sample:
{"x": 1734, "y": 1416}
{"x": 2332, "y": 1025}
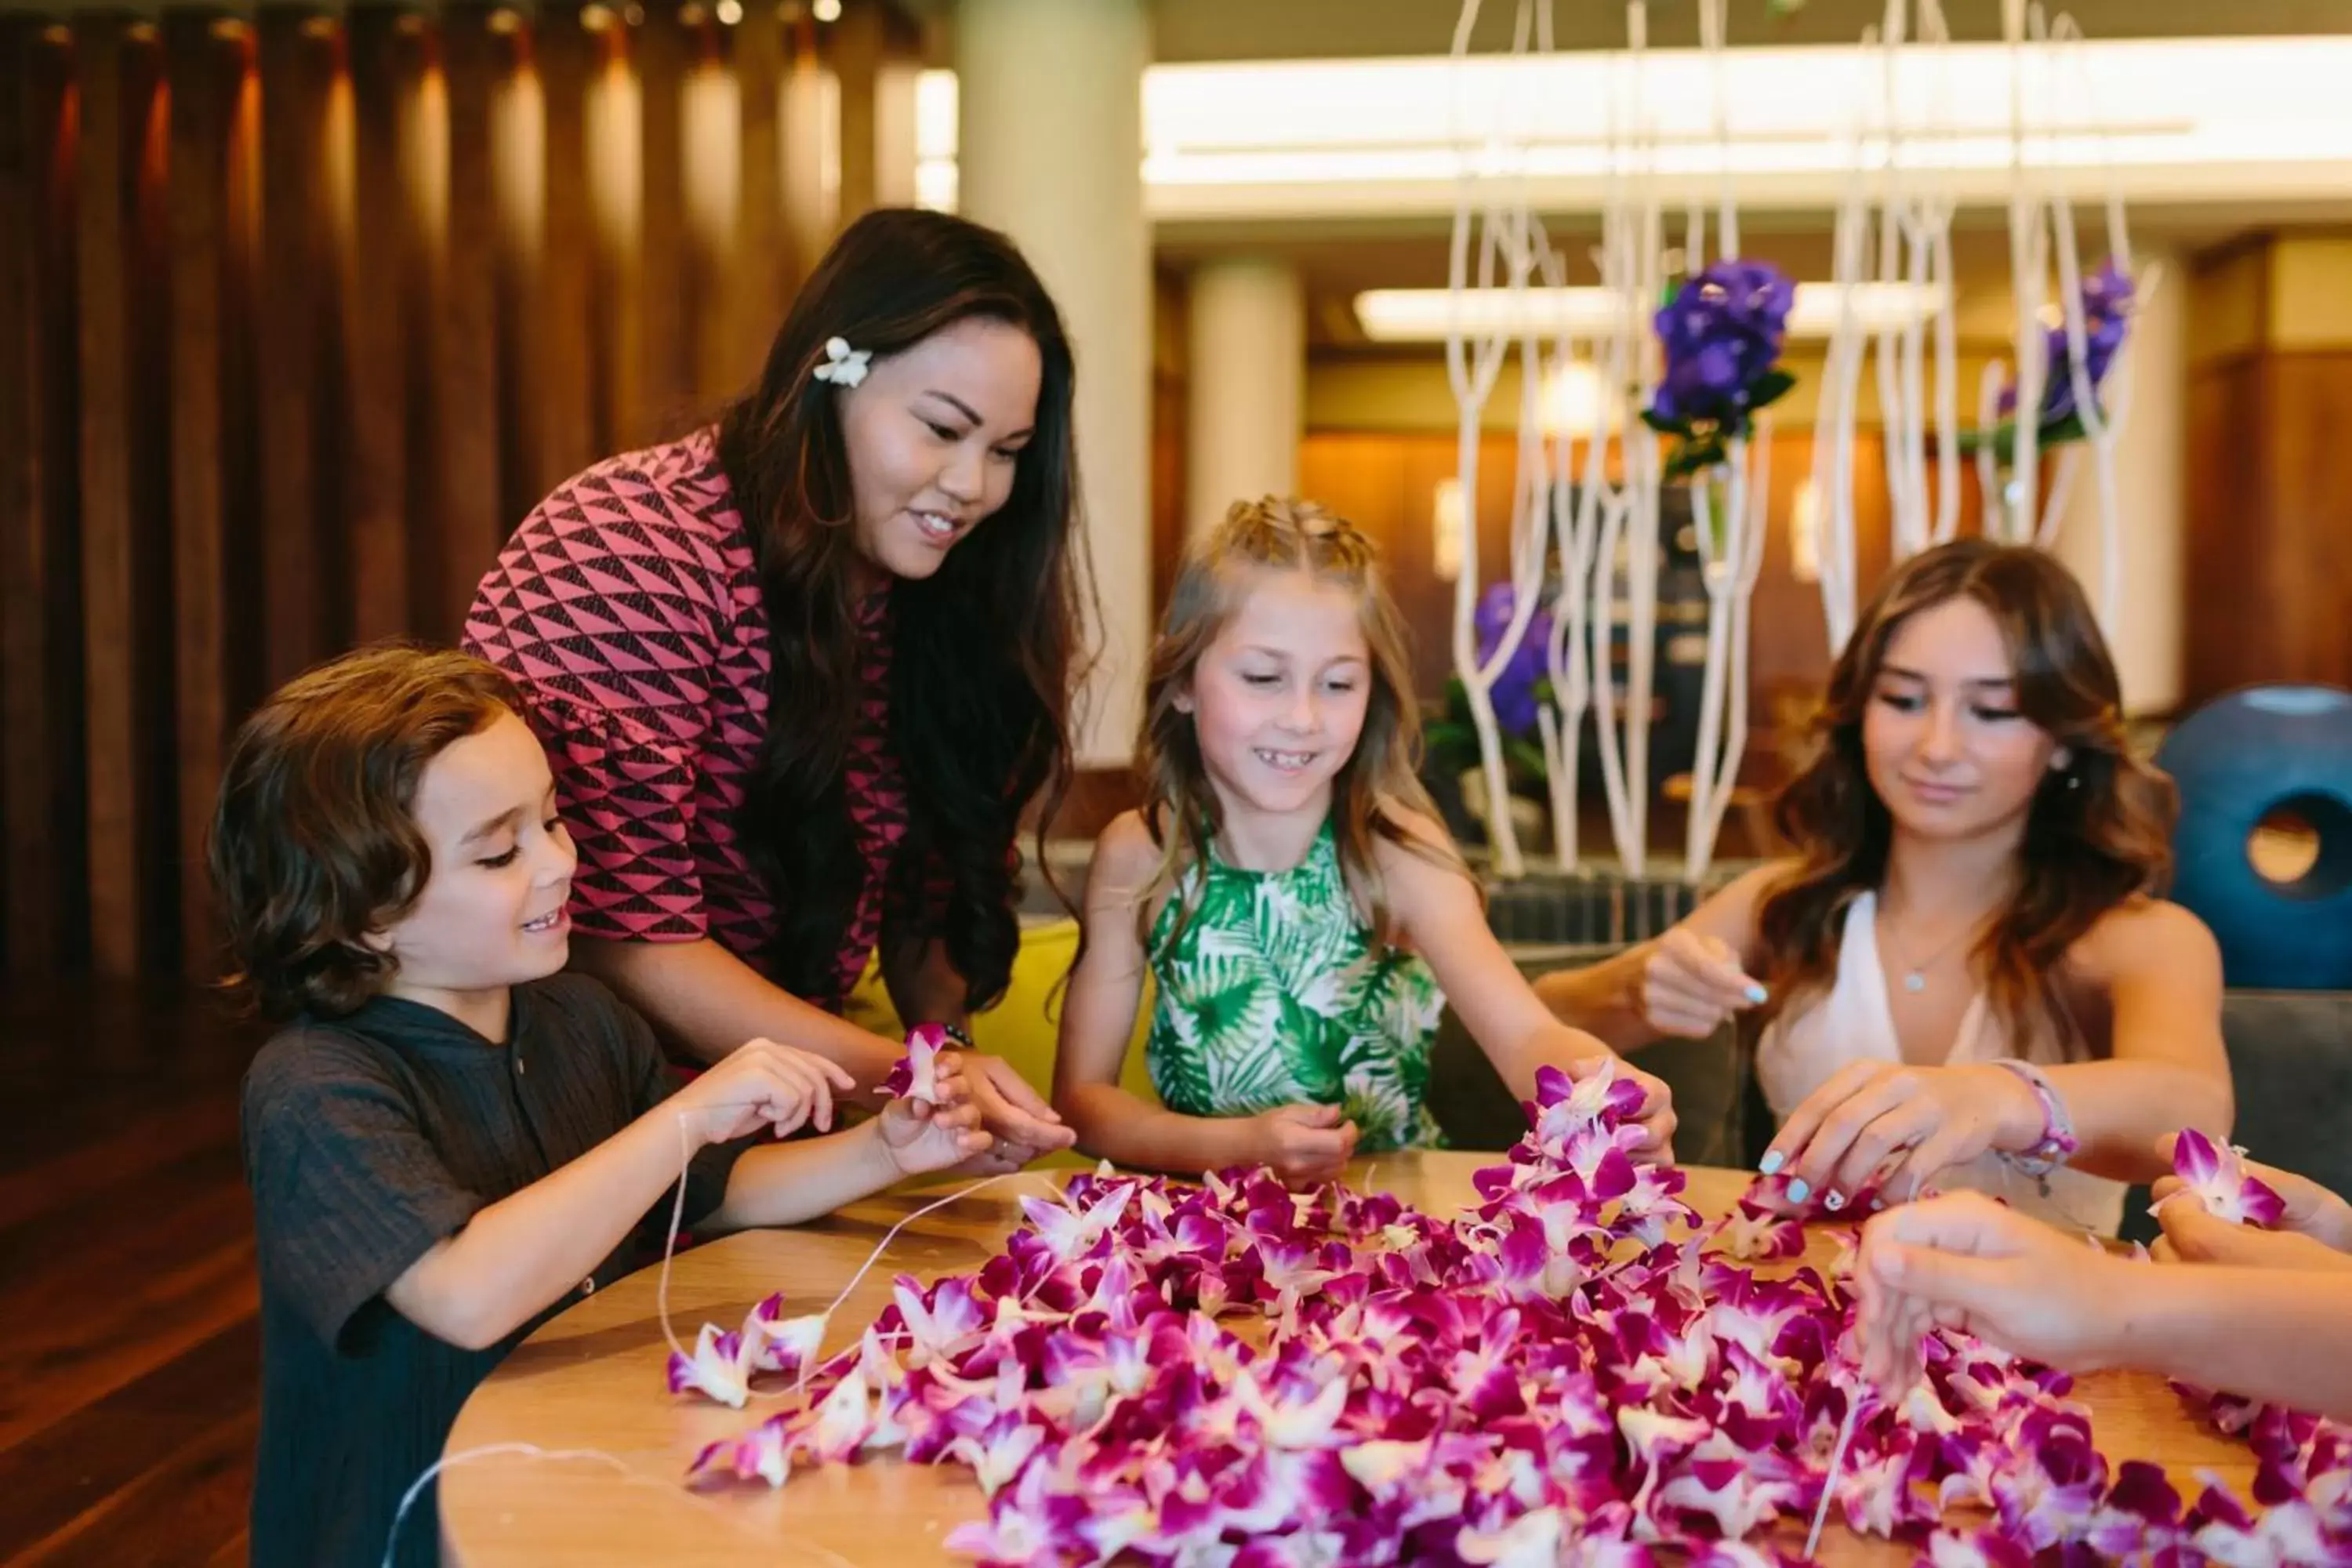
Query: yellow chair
{"x": 1020, "y": 1028}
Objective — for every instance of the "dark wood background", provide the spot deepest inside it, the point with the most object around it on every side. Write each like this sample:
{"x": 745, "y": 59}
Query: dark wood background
{"x": 298, "y": 316}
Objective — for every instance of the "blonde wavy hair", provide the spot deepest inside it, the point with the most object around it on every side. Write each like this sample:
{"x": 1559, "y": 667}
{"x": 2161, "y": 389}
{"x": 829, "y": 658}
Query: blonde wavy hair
{"x": 1379, "y": 779}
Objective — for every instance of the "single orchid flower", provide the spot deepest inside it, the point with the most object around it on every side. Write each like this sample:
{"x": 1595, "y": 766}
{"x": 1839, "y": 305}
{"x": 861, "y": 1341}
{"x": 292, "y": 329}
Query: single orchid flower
{"x": 719, "y": 1369}
{"x": 2217, "y": 1175}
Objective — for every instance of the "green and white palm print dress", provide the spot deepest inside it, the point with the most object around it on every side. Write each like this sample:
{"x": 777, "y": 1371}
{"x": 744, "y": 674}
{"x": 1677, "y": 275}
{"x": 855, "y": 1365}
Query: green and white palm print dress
{"x": 1274, "y": 995}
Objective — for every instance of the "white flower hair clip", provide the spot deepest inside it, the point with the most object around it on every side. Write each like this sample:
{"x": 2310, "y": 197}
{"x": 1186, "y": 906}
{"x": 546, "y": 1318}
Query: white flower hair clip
{"x": 844, "y": 365}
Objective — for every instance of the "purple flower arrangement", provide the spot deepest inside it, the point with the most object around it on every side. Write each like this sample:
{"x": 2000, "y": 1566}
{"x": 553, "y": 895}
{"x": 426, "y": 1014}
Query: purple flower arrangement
{"x": 2107, "y": 300}
{"x": 1522, "y": 683}
{"x": 1722, "y": 333}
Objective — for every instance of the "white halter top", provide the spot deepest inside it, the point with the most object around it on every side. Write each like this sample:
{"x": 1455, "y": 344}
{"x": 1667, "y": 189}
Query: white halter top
{"x": 1796, "y": 1055}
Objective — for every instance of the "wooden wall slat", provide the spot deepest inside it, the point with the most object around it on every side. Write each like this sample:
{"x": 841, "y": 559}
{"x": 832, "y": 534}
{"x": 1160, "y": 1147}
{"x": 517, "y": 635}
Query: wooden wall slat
{"x": 562, "y": 434}
{"x": 766, "y": 270}
{"x": 24, "y": 915}
{"x": 711, "y": 158}
{"x": 612, "y": 120}
{"x": 300, "y": 623}
{"x": 375, "y": 396}
{"x": 518, "y": 170}
{"x": 660, "y": 47}
{"x": 124, "y": 483}
{"x": 44, "y": 918}
{"x": 107, "y": 608}
{"x": 147, "y": 277}
{"x": 464, "y": 456}
{"x": 421, "y": 195}
{"x": 198, "y": 178}
{"x": 858, "y": 44}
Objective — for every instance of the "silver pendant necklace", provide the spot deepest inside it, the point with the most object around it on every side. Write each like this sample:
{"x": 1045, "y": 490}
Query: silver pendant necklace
{"x": 1915, "y": 975}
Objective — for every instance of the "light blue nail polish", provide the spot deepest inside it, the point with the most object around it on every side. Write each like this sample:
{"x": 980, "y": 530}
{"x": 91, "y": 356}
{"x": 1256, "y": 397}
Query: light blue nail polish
{"x": 1756, "y": 993}
{"x": 1876, "y": 1204}
{"x": 1800, "y": 1190}
{"x": 1772, "y": 1163}
{"x": 1834, "y": 1201}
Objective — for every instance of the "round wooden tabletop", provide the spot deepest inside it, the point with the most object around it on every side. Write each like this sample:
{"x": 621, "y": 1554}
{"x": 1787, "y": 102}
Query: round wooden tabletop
{"x": 588, "y": 1390}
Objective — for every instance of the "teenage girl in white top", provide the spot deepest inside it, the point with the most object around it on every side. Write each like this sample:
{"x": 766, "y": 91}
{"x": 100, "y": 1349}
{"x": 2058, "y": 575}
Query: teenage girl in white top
{"x": 1964, "y": 976}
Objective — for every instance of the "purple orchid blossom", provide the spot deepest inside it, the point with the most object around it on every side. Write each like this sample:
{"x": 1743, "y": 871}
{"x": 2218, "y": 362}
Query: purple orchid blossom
{"x": 1722, "y": 335}
{"x": 2216, "y": 1177}
{"x": 1515, "y": 692}
{"x": 2106, "y": 301}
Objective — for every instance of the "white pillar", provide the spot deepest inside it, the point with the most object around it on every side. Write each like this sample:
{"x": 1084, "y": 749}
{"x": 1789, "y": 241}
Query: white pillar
{"x": 1246, "y": 361}
{"x": 2151, "y": 498}
{"x": 1050, "y": 150}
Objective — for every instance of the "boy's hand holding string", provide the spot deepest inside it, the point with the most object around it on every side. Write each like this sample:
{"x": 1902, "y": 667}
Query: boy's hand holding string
{"x": 516, "y": 1257}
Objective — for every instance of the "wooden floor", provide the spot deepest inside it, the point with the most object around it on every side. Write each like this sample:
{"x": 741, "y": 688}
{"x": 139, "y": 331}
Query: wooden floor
{"x": 130, "y": 1360}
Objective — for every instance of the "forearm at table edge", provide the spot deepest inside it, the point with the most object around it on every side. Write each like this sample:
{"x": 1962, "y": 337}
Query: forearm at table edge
{"x": 1115, "y": 1125}
{"x": 2278, "y": 1336}
{"x": 793, "y": 1183}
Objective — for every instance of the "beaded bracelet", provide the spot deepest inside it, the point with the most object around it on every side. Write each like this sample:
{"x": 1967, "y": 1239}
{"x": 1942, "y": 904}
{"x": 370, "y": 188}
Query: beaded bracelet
{"x": 958, "y": 1034}
{"x": 2058, "y": 1142}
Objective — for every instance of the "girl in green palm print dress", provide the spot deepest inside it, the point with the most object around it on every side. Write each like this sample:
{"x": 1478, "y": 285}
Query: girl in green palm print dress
{"x": 1287, "y": 887}
{"x": 1280, "y": 958}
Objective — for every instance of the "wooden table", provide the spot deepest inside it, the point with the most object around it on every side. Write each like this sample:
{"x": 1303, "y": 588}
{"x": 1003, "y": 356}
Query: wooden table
{"x": 592, "y": 1379}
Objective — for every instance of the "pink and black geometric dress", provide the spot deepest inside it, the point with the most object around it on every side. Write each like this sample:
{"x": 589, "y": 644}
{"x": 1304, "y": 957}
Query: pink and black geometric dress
{"x": 627, "y": 608}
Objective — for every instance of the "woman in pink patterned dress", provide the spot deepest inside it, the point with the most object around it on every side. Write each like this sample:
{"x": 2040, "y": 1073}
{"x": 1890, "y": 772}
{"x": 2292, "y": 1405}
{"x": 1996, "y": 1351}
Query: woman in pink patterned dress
{"x": 801, "y": 672}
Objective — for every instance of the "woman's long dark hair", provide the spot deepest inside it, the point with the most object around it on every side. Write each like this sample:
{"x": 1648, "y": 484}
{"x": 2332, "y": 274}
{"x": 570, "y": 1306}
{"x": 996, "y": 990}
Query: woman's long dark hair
{"x": 2097, "y": 835}
{"x": 986, "y": 650}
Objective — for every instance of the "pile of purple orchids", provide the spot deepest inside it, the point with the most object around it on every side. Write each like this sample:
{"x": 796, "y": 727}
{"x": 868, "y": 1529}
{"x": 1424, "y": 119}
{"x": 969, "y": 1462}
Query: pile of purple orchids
{"x": 1576, "y": 1370}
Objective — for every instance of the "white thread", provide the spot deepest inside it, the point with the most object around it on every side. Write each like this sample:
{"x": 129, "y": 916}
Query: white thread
{"x": 667, "y": 1487}
{"x": 884, "y": 1244}
{"x": 1837, "y": 1465}
{"x": 676, "y": 1218}
{"x": 488, "y": 1450}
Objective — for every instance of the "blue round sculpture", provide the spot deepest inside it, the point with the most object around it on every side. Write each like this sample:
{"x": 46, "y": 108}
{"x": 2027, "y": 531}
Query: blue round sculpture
{"x": 2237, "y": 760}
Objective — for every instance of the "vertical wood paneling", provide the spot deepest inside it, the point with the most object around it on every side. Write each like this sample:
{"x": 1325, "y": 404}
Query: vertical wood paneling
{"x": 108, "y": 610}
{"x": 43, "y": 920}
{"x": 615, "y": 159}
{"x": 374, "y": 391}
{"x": 660, "y": 44}
{"x": 519, "y": 203}
{"x": 202, "y": 405}
{"x": 464, "y": 459}
{"x": 298, "y": 497}
{"x": 858, "y": 43}
{"x": 711, "y": 173}
{"x": 297, "y": 317}
{"x": 2307, "y": 570}
{"x": 765, "y": 268}
{"x": 559, "y": 421}
{"x": 125, "y": 477}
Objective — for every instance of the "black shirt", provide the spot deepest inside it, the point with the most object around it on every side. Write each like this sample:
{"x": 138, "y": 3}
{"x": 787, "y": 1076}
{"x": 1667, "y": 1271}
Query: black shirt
{"x": 368, "y": 1139}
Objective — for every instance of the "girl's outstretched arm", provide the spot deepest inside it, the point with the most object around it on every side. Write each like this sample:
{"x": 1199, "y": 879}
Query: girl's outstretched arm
{"x": 1439, "y": 915}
